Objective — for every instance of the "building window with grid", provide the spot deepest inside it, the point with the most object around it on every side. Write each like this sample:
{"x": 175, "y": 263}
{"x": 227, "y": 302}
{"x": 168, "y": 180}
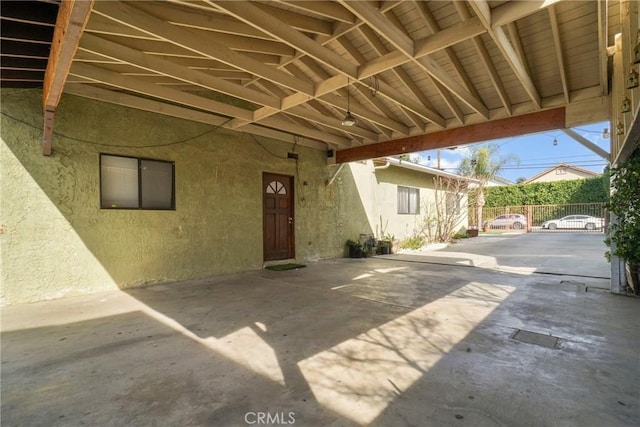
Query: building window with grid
{"x": 408, "y": 200}
{"x": 135, "y": 183}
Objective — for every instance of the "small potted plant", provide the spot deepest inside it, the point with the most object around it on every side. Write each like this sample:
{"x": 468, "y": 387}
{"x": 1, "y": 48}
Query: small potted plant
{"x": 385, "y": 245}
{"x": 355, "y": 249}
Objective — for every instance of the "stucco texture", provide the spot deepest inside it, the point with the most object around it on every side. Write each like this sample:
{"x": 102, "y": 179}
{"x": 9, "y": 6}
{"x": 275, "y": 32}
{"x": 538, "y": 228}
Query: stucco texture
{"x": 378, "y": 189}
{"x": 56, "y": 240}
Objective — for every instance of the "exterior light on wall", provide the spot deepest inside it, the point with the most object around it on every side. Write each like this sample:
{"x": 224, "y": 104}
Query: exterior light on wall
{"x": 348, "y": 120}
{"x": 619, "y": 128}
{"x": 632, "y": 79}
{"x": 626, "y": 105}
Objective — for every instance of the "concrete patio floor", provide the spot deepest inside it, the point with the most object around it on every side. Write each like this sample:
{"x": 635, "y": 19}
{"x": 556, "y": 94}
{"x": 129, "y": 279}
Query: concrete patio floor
{"x": 378, "y": 341}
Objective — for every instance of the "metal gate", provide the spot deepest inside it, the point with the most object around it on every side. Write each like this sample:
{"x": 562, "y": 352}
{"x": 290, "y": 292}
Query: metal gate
{"x": 574, "y": 218}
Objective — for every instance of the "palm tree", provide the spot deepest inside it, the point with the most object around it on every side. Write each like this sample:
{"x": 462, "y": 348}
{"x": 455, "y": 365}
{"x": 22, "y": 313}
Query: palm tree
{"x": 484, "y": 164}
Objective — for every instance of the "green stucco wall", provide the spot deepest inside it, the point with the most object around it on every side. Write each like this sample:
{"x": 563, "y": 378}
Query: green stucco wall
{"x": 57, "y": 241}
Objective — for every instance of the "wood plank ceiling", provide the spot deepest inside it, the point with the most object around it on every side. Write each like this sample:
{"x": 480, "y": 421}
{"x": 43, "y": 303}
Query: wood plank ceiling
{"x": 26, "y": 30}
{"x": 290, "y": 69}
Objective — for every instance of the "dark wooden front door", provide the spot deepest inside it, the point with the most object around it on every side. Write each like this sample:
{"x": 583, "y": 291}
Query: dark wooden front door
{"x": 277, "y": 194}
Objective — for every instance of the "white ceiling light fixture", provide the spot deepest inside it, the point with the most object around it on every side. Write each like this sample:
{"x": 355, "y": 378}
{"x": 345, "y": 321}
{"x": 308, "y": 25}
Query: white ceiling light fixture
{"x": 348, "y": 120}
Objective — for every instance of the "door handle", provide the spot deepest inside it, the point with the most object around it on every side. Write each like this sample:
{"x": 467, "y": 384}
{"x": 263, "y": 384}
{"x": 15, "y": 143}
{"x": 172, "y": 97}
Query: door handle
{"x": 290, "y": 220}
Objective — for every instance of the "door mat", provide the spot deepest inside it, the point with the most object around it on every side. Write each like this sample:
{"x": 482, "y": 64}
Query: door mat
{"x": 282, "y": 267}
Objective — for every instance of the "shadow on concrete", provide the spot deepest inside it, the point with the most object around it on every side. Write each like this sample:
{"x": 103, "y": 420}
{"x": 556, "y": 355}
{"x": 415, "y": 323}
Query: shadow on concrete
{"x": 371, "y": 342}
{"x": 236, "y": 344}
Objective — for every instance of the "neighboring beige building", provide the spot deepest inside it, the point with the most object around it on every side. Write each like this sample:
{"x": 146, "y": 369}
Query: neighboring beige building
{"x": 498, "y": 182}
{"x": 398, "y": 196}
{"x": 562, "y": 172}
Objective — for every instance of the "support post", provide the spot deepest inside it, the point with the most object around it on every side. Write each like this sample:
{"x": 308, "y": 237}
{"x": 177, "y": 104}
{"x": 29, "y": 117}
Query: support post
{"x": 47, "y": 142}
{"x": 618, "y": 274}
{"x": 72, "y": 18}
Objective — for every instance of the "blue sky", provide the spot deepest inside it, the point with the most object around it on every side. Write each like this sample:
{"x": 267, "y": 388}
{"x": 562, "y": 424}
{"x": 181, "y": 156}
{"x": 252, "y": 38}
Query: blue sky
{"x": 536, "y": 152}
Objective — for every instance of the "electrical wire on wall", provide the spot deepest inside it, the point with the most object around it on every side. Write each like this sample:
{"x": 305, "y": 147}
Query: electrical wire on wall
{"x": 101, "y": 144}
{"x": 266, "y": 149}
{"x": 299, "y": 187}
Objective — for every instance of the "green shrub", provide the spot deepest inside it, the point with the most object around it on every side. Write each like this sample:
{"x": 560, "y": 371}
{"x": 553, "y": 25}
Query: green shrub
{"x": 590, "y": 190}
{"x": 460, "y": 234}
{"x": 413, "y": 242}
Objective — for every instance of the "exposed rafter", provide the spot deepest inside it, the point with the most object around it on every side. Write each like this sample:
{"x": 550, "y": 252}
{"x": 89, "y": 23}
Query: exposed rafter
{"x": 405, "y": 45}
{"x": 481, "y": 7}
{"x": 136, "y": 18}
{"x": 72, "y": 18}
{"x": 462, "y": 10}
{"x": 412, "y": 68}
{"x": 602, "y": 46}
{"x": 555, "y": 30}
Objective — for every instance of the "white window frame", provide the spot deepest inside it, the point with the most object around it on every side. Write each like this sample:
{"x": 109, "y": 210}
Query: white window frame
{"x": 408, "y": 200}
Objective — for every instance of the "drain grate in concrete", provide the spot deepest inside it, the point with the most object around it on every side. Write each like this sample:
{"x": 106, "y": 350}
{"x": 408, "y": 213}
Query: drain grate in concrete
{"x": 529, "y": 337}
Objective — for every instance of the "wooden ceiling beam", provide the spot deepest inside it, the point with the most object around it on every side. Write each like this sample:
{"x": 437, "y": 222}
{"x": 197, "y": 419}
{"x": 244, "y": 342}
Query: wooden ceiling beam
{"x": 445, "y": 94}
{"x": 405, "y": 45}
{"x": 136, "y": 18}
{"x": 214, "y": 22}
{"x": 482, "y": 10}
{"x": 70, "y": 23}
{"x": 376, "y": 20}
{"x": 138, "y": 85}
{"x": 539, "y": 121}
{"x": 603, "y": 58}
{"x": 514, "y": 10}
{"x": 158, "y": 107}
{"x": 333, "y": 84}
{"x": 383, "y": 122}
{"x": 296, "y": 129}
{"x": 514, "y": 36}
{"x": 256, "y": 17}
{"x": 368, "y": 93}
{"x": 434, "y": 27}
{"x": 557, "y": 43}
{"x": 332, "y": 123}
{"x": 324, "y": 8}
{"x": 465, "y": 15}
{"x": 122, "y": 53}
{"x": 404, "y": 77}
{"x": 298, "y": 21}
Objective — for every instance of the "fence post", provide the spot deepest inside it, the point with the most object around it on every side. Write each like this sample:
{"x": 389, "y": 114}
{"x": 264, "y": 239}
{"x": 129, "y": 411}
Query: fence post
{"x": 527, "y": 212}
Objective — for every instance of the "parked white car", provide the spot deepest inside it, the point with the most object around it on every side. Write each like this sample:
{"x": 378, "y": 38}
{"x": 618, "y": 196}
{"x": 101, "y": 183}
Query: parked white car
{"x": 583, "y": 222}
{"x": 515, "y": 221}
